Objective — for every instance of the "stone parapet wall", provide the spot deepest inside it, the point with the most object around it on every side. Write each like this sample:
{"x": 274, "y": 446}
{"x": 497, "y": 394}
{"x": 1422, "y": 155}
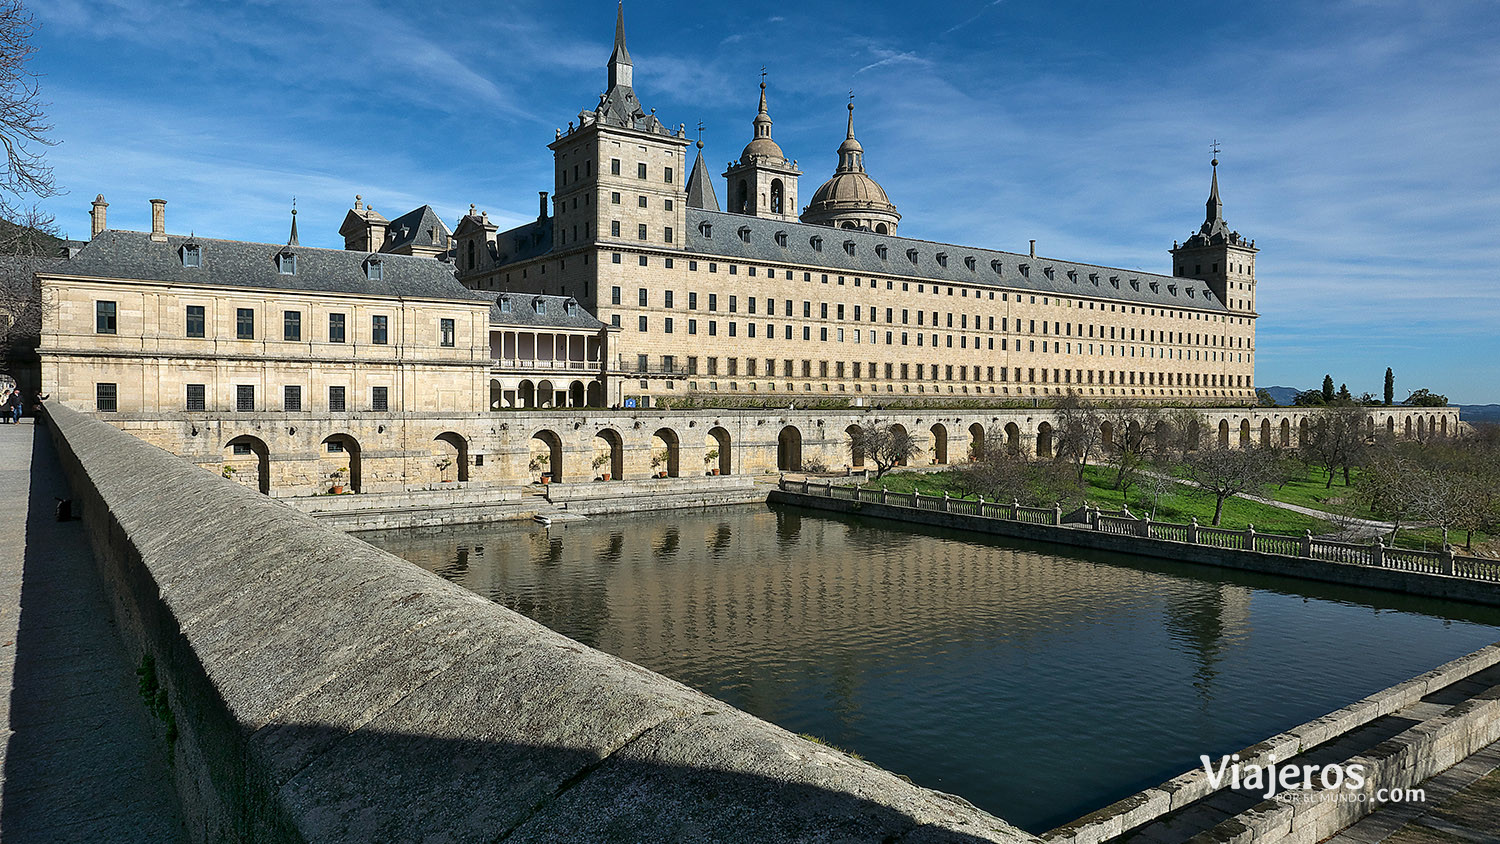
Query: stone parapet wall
{"x": 323, "y": 690}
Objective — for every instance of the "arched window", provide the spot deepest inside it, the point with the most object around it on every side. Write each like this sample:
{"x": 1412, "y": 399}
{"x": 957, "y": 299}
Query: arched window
{"x": 471, "y": 254}
{"x": 776, "y": 196}
{"x": 741, "y": 197}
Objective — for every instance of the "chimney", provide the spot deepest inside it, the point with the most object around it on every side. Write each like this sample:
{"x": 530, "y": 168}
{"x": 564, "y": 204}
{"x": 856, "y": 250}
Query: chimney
{"x": 97, "y": 215}
{"x": 542, "y": 213}
{"x": 159, "y": 220}
{"x": 1033, "y": 248}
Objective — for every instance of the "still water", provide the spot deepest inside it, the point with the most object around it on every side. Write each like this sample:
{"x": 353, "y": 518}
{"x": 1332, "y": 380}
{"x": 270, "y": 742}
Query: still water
{"x": 1038, "y": 682}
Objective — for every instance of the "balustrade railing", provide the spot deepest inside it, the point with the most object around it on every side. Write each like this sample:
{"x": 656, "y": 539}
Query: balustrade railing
{"x": 1122, "y": 523}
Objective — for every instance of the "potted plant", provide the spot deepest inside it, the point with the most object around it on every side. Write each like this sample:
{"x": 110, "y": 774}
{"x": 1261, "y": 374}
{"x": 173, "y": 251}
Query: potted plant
{"x": 710, "y": 458}
{"x": 227, "y": 472}
{"x": 337, "y": 476}
{"x": 537, "y": 462}
{"x": 600, "y": 460}
{"x": 444, "y": 463}
{"x": 658, "y": 460}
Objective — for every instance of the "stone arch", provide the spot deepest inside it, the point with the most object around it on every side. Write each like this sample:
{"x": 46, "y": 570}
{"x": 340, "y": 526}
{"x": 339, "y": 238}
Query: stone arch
{"x": 939, "y": 433}
{"x": 666, "y": 452}
{"x": 976, "y": 441}
{"x": 1390, "y": 425}
{"x": 789, "y": 449}
{"x": 546, "y": 394}
{"x": 778, "y": 196}
{"x": 497, "y": 394}
{"x": 1012, "y": 438}
{"x": 740, "y": 202}
{"x": 1163, "y": 436}
{"x": 1223, "y": 433}
{"x": 1107, "y": 435}
{"x": 1304, "y": 432}
{"x": 1044, "y": 440}
{"x": 1194, "y": 435}
{"x": 1421, "y": 427}
{"x": 1286, "y": 432}
{"x": 1244, "y": 433}
{"x": 1408, "y": 428}
{"x": 258, "y": 460}
{"x": 576, "y": 394}
{"x": 1265, "y": 433}
{"x": 898, "y": 428}
{"x": 455, "y": 448}
{"x": 718, "y": 441}
{"x": 343, "y": 450}
{"x": 1133, "y": 434}
{"x": 880, "y": 228}
{"x": 1443, "y": 430}
{"x": 545, "y": 455}
{"x": 526, "y": 393}
{"x": 595, "y": 394}
{"x": 856, "y": 447}
{"x": 609, "y": 446}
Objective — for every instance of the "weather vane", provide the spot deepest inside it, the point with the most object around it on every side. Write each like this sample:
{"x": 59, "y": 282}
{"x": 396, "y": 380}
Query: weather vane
{"x": 762, "y": 74}
{"x": 1216, "y": 148}
{"x": 700, "y": 133}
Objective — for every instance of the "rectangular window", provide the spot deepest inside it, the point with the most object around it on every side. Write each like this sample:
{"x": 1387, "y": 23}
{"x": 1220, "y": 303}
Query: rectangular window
{"x": 379, "y": 333}
{"x": 666, "y": 297}
{"x": 713, "y": 301}
{"x": 640, "y": 170}
{"x": 614, "y": 166}
{"x": 195, "y": 321}
{"x": 336, "y": 399}
{"x": 105, "y": 314}
{"x": 244, "y": 323}
{"x": 667, "y": 326}
{"x": 291, "y": 326}
{"x": 642, "y": 324}
{"x": 446, "y": 333}
{"x": 668, "y": 236}
{"x": 291, "y": 398}
{"x": 197, "y": 397}
{"x": 667, "y": 176}
{"x": 614, "y": 295}
{"x": 614, "y": 231}
{"x": 641, "y": 297}
{"x": 106, "y": 398}
{"x": 335, "y": 328}
{"x": 640, "y": 231}
{"x": 380, "y": 398}
{"x": 244, "y": 397}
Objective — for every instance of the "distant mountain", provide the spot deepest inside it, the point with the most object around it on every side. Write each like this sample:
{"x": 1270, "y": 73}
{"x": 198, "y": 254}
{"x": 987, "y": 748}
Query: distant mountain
{"x": 1479, "y": 412}
{"x": 1282, "y": 395}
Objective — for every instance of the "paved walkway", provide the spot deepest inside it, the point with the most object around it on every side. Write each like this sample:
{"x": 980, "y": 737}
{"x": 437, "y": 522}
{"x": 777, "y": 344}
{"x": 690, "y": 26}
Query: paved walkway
{"x": 1463, "y": 804}
{"x": 78, "y": 759}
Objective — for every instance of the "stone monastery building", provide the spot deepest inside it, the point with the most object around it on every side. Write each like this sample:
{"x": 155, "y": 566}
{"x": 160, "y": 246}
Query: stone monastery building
{"x": 755, "y": 299}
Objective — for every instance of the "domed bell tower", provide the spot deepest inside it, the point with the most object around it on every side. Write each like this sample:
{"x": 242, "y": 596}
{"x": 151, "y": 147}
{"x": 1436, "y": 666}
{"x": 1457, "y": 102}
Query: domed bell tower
{"x": 763, "y": 183}
{"x": 1219, "y": 256}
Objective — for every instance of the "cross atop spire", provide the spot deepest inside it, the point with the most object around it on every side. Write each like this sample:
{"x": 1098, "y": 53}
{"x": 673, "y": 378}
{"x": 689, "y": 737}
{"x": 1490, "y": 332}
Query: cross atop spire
{"x": 292, "y": 240}
{"x": 620, "y": 67}
{"x": 763, "y": 119}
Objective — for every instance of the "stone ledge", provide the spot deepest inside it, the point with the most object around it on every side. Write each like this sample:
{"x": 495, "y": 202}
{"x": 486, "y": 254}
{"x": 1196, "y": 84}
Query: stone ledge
{"x": 324, "y": 690}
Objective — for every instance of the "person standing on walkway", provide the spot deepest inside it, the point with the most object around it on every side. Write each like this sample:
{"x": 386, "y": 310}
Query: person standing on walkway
{"x": 15, "y": 410}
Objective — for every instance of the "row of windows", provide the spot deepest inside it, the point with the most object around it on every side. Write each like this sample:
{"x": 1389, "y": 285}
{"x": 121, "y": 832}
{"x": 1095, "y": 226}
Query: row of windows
{"x": 935, "y": 372}
{"x": 640, "y": 171}
{"x": 106, "y": 321}
{"x": 106, "y": 398}
{"x": 641, "y": 233}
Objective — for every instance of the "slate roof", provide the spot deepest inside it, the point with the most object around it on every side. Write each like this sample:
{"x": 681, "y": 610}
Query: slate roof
{"x": 700, "y": 186}
{"x": 414, "y": 228}
{"x": 524, "y": 242}
{"x": 243, "y": 264}
{"x": 1068, "y": 278}
{"x": 523, "y": 312}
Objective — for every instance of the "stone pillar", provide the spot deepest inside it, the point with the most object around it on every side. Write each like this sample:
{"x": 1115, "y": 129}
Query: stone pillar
{"x": 1249, "y": 537}
{"x": 1377, "y": 553}
{"x": 1446, "y": 560}
{"x": 1057, "y": 513}
{"x": 884, "y": 495}
{"x": 1015, "y": 509}
{"x": 945, "y": 501}
{"x": 1143, "y": 527}
{"x": 1307, "y": 543}
{"x": 1193, "y": 531}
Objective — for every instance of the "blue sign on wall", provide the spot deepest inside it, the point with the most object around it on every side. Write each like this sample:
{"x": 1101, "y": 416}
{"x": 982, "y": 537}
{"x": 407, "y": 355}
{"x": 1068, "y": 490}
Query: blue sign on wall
{"x": 630, "y": 402}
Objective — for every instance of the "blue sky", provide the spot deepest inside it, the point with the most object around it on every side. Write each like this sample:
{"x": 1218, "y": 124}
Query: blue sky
{"x": 1359, "y": 138}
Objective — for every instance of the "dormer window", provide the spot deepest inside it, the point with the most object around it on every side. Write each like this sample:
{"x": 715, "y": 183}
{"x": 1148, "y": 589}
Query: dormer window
{"x": 911, "y": 255}
{"x": 192, "y": 255}
{"x": 849, "y": 246}
{"x": 1135, "y": 284}
{"x": 504, "y": 304}
{"x": 998, "y": 267}
{"x": 706, "y": 228}
{"x": 883, "y": 251}
{"x": 375, "y": 269}
{"x": 570, "y": 307}
{"x": 942, "y": 259}
{"x": 539, "y": 305}
{"x": 816, "y": 243}
{"x": 1073, "y": 276}
{"x": 1190, "y": 291}
{"x": 1026, "y": 270}
{"x": 744, "y": 233}
{"x": 286, "y": 263}
{"x": 1172, "y": 289}
{"x": 1094, "y": 277}
{"x": 1114, "y": 281}
{"x": 781, "y": 239}
{"x": 1049, "y": 272}
{"x": 969, "y": 262}
{"x": 1155, "y": 287}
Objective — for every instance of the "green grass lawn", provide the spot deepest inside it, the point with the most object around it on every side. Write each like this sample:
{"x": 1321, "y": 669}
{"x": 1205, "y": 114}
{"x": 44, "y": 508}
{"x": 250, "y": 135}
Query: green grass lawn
{"x": 1311, "y": 492}
{"x": 1179, "y": 506}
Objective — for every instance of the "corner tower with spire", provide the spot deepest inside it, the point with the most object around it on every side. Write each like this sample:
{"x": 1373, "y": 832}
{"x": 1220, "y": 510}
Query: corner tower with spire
{"x": 1219, "y": 256}
{"x": 763, "y": 183}
{"x": 851, "y": 199}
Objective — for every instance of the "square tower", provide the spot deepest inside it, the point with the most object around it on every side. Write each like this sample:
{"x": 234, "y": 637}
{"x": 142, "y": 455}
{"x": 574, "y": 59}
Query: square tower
{"x": 1218, "y": 256}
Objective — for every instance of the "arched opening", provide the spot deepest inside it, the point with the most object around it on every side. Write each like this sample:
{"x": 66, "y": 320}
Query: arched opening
{"x": 545, "y": 456}
{"x": 789, "y": 449}
{"x": 1194, "y": 435}
{"x": 1304, "y": 432}
{"x": 939, "y": 444}
{"x": 1163, "y": 436}
{"x": 848, "y": 225}
{"x": 976, "y": 441}
{"x": 1044, "y": 440}
{"x": 1407, "y": 434}
{"x": 899, "y": 432}
{"x": 1133, "y": 435}
{"x": 1223, "y": 433}
{"x": 741, "y": 201}
{"x": 880, "y": 228}
{"x": 526, "y": 394}
{"x": 1443, "y": 430}
{"x": 856, "y": 447}
{"x": 248, "y": 461}
{"x": 716, "y": 454}
{"x": 665, "y": 451}
{"x": 1107, "y": 435}
{"x": 546, "y": 394}
{"x": 609, "y": 455}
{"x": 497, "y": 395}
{"x": 1421, "y": 428}
{"x": 452, "y": 454}
{"x": 1012, "y": 438}
{"x": 1286, "y": 432}
{"x": 596, "y": 394}
{"x": 1390, "y": 425}
{"x": 341, "y": 453}
{"x": 575, "y": 394}
{"x": 1265, "y": 433}
{"x": 1244, "y": 433}
{"x": 776, "y": 196}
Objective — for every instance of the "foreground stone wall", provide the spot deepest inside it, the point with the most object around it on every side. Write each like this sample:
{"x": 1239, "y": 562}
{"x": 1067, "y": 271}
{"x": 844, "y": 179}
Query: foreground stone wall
{"x": 323, "y": 690}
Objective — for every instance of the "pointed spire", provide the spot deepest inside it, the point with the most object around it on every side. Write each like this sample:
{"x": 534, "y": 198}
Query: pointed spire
{"x": 1214, "y": 205}
{"x": 763, "y": 119}
{"x": 700, "y": 185}
{"x": 621, "y": 72}
{"x": 851, "y": 154}
{"x": 850, "y": 134}
{"x": 292, "y": 241}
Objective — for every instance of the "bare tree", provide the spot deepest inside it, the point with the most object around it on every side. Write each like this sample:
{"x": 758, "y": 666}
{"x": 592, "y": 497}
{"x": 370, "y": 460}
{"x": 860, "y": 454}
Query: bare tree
{"x": 23, "y": 126}
{"x": 1133, "y": 442}
{"x": 886, "y": 445}
{"x": 1079, "y": 433}
{"x": 1227, "y": 472}
{"x": 1337, "y": 438}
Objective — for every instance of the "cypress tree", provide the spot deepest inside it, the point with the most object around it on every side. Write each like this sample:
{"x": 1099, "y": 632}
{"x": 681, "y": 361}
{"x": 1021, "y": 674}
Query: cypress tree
{"x": 1390, "y": 387}
{"x": 1327, "y": 388}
